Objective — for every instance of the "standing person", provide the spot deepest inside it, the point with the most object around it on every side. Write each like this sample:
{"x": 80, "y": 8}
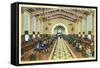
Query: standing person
{"x": 80, "y": 47}
{"x": 83, "y": 35}
{"x": 79, "y": 35}
{"x": 34, "y": 36}
{"x": 89, "y": 36}
{"x": 38, "y": 35}
{"x": 26, "y": 36}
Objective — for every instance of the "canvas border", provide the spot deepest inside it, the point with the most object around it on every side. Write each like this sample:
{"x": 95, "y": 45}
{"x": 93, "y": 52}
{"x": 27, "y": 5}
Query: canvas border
{"x": 15, "y": 17}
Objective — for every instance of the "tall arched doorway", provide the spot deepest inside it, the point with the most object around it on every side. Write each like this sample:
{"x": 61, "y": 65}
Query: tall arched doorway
{"x": 59, "y": 28}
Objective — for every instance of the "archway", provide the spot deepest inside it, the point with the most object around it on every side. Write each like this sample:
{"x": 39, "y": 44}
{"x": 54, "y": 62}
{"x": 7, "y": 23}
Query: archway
{"x": 65, "y": 30}
{"x": 59, "y": 30}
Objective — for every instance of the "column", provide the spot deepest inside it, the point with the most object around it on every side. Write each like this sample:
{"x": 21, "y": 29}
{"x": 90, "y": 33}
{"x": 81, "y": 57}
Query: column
{"x": 76, "y": 31}
{"x": 32, "y": 21}
{"x": 92, "y": 23}
{"x": 80, "y": 26}
{"x": 29, "y": 23}
{"x": 46, "y": 27}
{"x": 83, "y": 22}
{"x": 22, "y": 22}
{"x": 34, "y": 24}
{"x": 86, "y": 25}
{"x": 39, "y": 25}
{"x": 41, "y": 29}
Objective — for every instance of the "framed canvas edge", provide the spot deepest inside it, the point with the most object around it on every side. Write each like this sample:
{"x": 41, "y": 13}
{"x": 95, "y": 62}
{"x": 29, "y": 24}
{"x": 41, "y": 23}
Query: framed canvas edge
{"x": 16, "y": 63}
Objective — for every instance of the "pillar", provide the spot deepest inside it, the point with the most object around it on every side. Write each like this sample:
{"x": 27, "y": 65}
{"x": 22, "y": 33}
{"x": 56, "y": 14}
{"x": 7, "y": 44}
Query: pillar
{"x": 38, "y": 25}
{"x": 92, "y": 23}
{"x": 34, "y": 27}
{"x": 41, "y": 29}
{"x": 22, "y": 23}
{"x": 80, "y": 26}
{"x": 32, "y": 21}
{"x": 86, "y": 25}
{"x": 29, "y": 23}
{"x": 78, "y": 29}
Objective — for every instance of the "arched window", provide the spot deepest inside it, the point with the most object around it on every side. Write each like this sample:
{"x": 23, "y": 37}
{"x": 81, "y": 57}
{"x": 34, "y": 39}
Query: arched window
{"x": 25, "y": 23}
{"x": 89, "y": 23}
{"x": 83, "y": 25}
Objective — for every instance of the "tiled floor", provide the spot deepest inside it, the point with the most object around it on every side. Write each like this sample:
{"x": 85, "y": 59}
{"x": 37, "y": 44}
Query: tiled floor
{"x": 61, "y": 51}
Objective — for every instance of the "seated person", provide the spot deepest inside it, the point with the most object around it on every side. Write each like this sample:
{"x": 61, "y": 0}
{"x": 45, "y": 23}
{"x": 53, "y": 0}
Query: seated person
{"x": 45, "y": 45}
{"x": 37, "y": 44}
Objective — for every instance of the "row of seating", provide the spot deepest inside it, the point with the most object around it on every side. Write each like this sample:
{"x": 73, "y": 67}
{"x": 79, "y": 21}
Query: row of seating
{"x": 42, "y": 44}
{"x": 39, "y": 43}
{"x": 83, "y": 44}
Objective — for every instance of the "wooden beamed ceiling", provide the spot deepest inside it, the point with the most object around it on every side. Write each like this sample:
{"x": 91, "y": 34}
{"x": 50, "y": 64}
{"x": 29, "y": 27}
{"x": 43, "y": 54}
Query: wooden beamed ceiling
{"x": 73, "y": 15}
